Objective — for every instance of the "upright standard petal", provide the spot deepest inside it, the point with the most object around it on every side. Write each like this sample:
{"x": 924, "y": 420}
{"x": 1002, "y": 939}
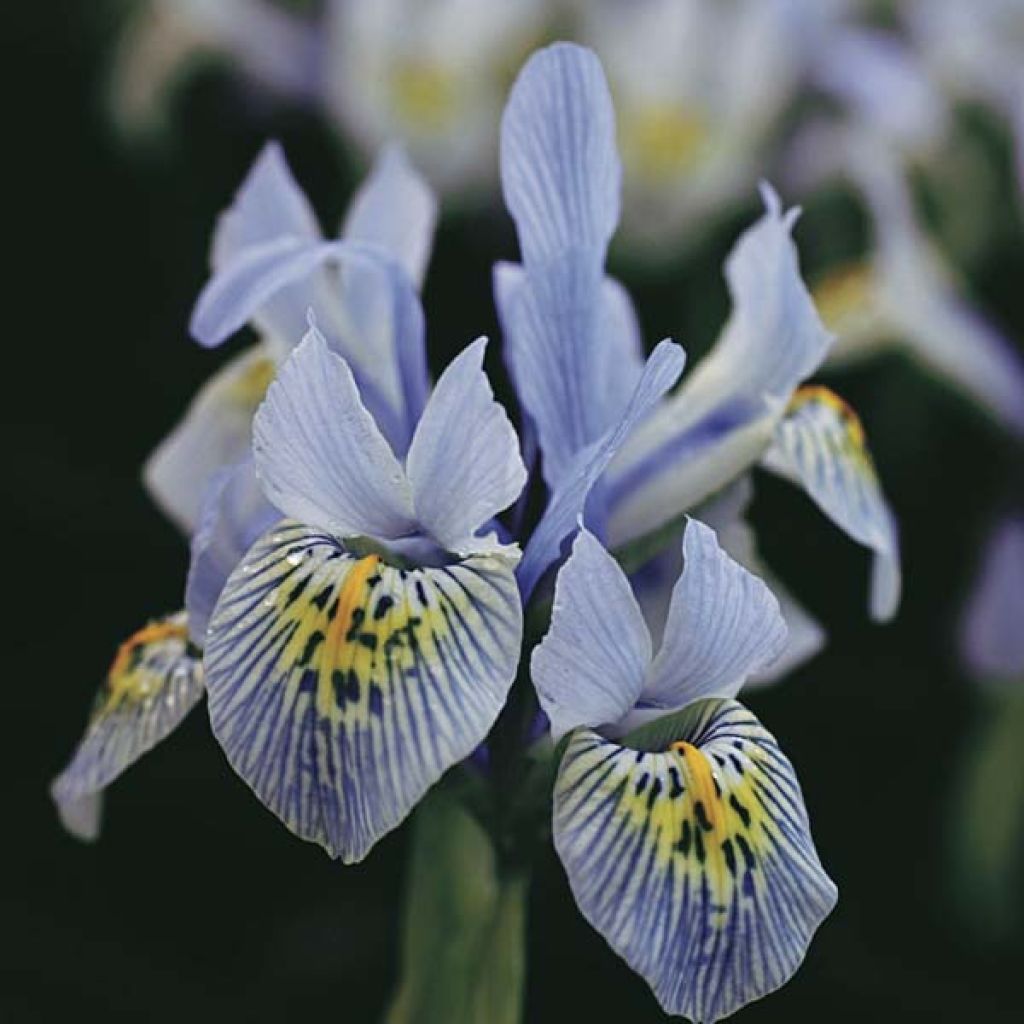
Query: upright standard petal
{"x": 235, "y": 513}
{"x": 820, "y": 444}
{"x": 464, "y": 464}
{"x": 721, "y": 420}
{"x": 991, "y": 637}
{"x": 269, "y": 206}
{"x": 395, "y": 209}
{"x": 215, "y": 432}
{"x": 319, "y": 454}
{"x": 689, "y": 850}
{"x": 342, "y": 688}
{"x": 590, "y": 667}
{"x": 154, "y": 682}
{"x": 561, "y": 178}
{"x": 569, "y": 499}
{"x": 723, "y": 625}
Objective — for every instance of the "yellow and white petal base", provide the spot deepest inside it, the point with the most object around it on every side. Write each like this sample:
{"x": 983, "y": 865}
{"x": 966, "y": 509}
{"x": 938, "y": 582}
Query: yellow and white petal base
{"x": 689, "y": 849}
{"x": 342, "y": 688}
{"x": 155, "y": 680}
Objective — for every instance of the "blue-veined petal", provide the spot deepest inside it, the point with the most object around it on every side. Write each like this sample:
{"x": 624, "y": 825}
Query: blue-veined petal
{"x": 569, "y": 499}
{"x": 820, "y": 444}
{"x": 723, "y": 625}
{"x": 381, "y": 335}
{"x": 235, "y": 513}
{"x": 561, "y": 178}
{"x": 991, "y": 635}
{"x": 319, "y": 453}
{"x": 721, "y": 419}
{"x": 590, "y": 667}
{"x": 464, "y": 465}
{"x": 395, "y": 209}
{"x": 725, "y": 513}
{"x": 215, "y": 432}
{"x": 690, "y": 851}
{"x": 342, "y": 688}
{"x": 154, "y": 682}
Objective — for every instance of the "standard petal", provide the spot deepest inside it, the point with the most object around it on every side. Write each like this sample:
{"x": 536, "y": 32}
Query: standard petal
{"x": 396, "y": 209}
{"x": 692, "y": 856}
{"x": 319, "y": 454}
{"x": 215, "y": 432}
{"x": 268, "y": 206}
{"x": 235, "y": 513}
{"x": 342, "y": 688}
{"x": 561, "y": 177}
{"x": 560, "y": 171}
{"x": 569, "y": 499}
{"x": 464, "y": 463}
{"x": 723, "y": 625}
{"x": 991, "y": 637}
{"x": 721, "y": 420}
{"x": 820, "y": 444}
{"x": 154, "y": 682}
{"x": 591, "y": 665}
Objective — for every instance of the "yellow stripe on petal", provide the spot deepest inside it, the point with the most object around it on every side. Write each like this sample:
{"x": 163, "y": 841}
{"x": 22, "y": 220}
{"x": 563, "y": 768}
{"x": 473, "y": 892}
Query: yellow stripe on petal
{"x": 342, "y": 688}
{"x": 695, "y": 859}
{"x": 154, "y": 681}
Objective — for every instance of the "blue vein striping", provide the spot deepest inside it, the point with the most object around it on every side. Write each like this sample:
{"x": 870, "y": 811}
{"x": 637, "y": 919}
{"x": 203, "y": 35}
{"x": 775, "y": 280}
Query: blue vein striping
{"x": 342, "y": 688}
{"x": 154, "y": 682}
{"x": 695, "y": 862}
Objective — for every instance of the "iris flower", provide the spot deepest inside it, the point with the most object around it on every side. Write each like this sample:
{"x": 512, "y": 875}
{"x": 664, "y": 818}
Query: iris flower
{"x": 686, "y": 841}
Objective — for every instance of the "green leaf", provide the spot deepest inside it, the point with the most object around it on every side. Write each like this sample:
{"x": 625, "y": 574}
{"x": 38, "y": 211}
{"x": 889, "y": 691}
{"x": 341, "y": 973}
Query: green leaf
{"x": 463, "y": 957}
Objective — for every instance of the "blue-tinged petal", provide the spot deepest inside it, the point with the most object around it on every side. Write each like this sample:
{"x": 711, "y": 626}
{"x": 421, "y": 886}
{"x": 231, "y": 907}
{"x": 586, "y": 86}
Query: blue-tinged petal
{"x": 723, "y": 625}
{"x": 464, "y": 464}
{"x": 268, "y": 206}
{"x": 569, "y": 499}
{"x": 560, "y": 171}
{"x": 342, "y": 688}
{"x": 991, "y": 634}
{"x": 319, "y": 454}
{"x": 154, "y": 682}
{"x": 235, "y": 513}
{"x": 690, "y": 851}
{"x": 721, "y": 420}
{"x": 215, "y": 432}
{"x": 805, "y": 636}
{"x": 366, "y": 306}
{"x": 561, "y": 177}
{"x": 820, "y": 444}
{"x": 590, "y": 667}
{"x": 395, "y": 209}
{"x": 82, "y": 817}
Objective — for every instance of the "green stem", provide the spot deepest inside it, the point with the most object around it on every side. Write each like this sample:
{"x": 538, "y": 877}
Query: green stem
{"x": 463, "y": 949}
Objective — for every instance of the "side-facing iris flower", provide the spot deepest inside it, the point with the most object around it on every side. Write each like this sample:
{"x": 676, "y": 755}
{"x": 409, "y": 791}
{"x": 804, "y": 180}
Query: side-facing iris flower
{"x": 271, "y": 265}
{"x": 574, "y": 352}
{"x": 686, "y": 842}
{"x": 368, "y": 642}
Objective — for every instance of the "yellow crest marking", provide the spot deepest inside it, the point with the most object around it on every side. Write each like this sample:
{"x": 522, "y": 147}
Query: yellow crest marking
{"x": 123, "y": 681}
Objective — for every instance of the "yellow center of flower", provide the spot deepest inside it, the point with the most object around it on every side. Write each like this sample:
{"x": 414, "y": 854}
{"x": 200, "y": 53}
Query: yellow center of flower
{"x": 424, "y": 94}
{"x": 844, "y": 294}
{"x": 661, "y": 141}
{"x": 251, "y": 385}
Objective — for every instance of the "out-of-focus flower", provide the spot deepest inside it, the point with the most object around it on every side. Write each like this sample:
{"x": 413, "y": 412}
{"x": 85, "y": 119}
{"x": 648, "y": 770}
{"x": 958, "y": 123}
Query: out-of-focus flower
{"x": 991, "y": 636}
{"x": 367, "y": 643}
{"x": 434, "y": 75}
{"x": 573, "y": 351}
{"x": 270, "y": 267}
{"x": 686, "y": 843}
{"x": 700, "y": 88}
{"x": 906, "y": 294}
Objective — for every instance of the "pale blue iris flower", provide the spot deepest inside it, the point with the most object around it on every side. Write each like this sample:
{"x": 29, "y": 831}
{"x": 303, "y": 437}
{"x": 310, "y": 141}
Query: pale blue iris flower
{"x": 574, "y": 352}
{"x": 686, "y": 842}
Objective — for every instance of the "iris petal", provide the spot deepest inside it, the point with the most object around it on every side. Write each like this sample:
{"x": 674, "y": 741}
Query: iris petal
{"x": 154, "y": 682}
{"x": 821, "y": 445}
{"x": 342, "y": 688}
{"x": 692, "y": 856}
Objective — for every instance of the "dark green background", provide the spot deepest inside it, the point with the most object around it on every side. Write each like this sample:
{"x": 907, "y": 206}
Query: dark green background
{"x": 196, "y": 904}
